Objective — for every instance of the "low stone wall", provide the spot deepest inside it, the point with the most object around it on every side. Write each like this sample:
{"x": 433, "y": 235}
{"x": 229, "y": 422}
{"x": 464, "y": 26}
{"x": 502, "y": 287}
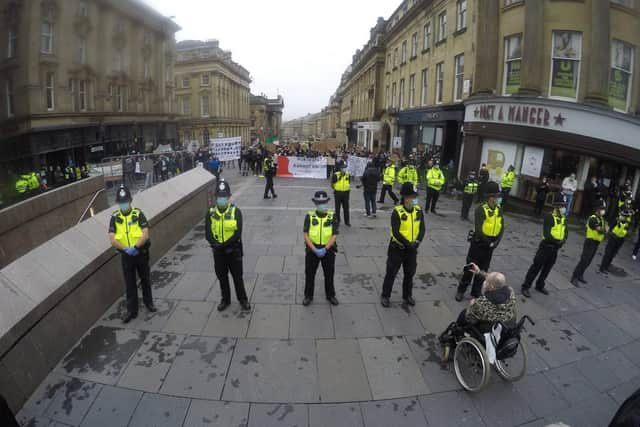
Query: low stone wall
{"x": 53, "y": 294}
{"x": 30, "y": 223}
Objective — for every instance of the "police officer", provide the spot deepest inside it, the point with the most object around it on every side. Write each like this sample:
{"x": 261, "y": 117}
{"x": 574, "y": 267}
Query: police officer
{"x": 22, "y": 184}
{"x": 407, "y": 232}
{"x": 483, "y": 179}
{"x": 388, "y": 179}
{"x": 341, "y": 186}
{"x": 469, "y": 192}
{"x": 435, "y": 181}
{"x": 129, "y": 234}
{"x": 554, "y": 235}
{"x": 507, "y": 183}
{"x": 489, "y": 227}
{"x": 223, "y": 231}
{"x": 616, "y": 239}
{"x": 320, "y": 232}
{"x": 69, "y": 174}
{"x": 408, "y": 173}
{"x": 269, "y": 170}
{"x": 597, "y": 228}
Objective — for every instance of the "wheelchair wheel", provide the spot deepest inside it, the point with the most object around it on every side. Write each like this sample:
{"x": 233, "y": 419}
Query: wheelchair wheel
{"x": 471, "y": 364}
{"x": 513, "y": 368}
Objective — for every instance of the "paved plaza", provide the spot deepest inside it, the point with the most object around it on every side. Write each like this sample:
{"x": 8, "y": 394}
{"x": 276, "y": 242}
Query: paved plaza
{"x": 356, "y": 364}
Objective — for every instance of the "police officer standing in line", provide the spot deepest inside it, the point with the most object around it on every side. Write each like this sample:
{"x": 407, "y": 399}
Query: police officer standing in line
{"x": 616, "y": 239}
{"x": 435, "y": 181}
{"x": 341, "y": 186}
{"x": 554, "y": 235}
{"x": 223, "y": 231}
{"x": 489, "y": 227}
{"x": 129, "y": 234}
{"x": 320, "y": 232}
{"x": 483, "y": 179}
{"x": 506, "y": 184}
{"x": 597, "y": 228}
{"x": 269, "y": 170}
{"x": 388, "y": 179}
{"x": 469, "y": 192}
{"x": 407, "y": 232}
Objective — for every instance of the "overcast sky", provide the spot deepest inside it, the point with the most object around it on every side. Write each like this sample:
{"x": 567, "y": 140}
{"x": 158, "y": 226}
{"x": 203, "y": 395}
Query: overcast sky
{"x": 296, "y": 48}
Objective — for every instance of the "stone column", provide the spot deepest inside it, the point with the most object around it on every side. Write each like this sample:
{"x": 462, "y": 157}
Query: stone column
{"x": 486, "y": 69}
{"x": 532, "y": 72}
{"x": 598, "y": 64}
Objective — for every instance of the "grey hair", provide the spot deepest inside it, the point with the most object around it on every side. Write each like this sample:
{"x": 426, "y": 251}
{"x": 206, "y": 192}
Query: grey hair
{"x": 495, "y": 280}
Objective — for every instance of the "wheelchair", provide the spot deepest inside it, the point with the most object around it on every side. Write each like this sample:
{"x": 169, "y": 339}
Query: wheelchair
{"x": 470, "y": 360}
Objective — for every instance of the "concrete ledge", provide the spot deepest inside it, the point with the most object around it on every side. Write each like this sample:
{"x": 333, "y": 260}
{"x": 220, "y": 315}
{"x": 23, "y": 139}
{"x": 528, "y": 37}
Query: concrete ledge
{"x": 53, "y": 294}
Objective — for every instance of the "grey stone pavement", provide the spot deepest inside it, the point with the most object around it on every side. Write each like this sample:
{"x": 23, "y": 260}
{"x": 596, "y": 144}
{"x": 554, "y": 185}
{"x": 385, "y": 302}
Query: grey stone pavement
{"x": 356, "y": 364}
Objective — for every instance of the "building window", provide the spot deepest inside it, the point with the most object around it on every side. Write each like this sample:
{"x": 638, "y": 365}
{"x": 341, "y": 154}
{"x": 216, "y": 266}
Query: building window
{"x": 389, "y": 63}
{"x": 9, "y": 98}
{"x": 414, "y": 45}
{"x": 427, "y": 36}
{"x": 439, "y": 81}
{"x": 458, "y": 77}
{"x": 620, "y": 75}
{"x": 395, "y": 57}
{"x": 117, "y": 61}
{"x": 82, "y": 94}
{"x": 401, "y": 95}
{"x": 185, "y": 82}
{"x": 204, "y": 80}
{"x": 119, "y": 99}
{"x": 145, "y": 68}
{"x": 393, "y": 95}
{"x": 461, "y": 15}
{"x": 510, "y": 2}
{"x": 512, "y": 64}
{"x": 404, "y": 52}
{"x": 83, "y": 8}
{"x": 72, "y": 93}
{"x": 82, "y": 50}
{"x": 12, "y": 44}
{"x": 386, "y": 96}
{"x": 626, "y": 3}
{"x": 46, "y": 38}
{"x": 442, "y": 26}
{"x": 204, "y": 105}
{"x": 423, "y": 91}
{"x": 412, "y": 90}
{"x": 565, "y": 64}
{"x": 50, "y": 91}
{"x": 186, "y": 105}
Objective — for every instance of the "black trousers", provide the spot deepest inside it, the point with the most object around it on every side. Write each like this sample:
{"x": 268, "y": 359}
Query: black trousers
{"x": 505, "y": 196}
{"x": 369, "y": 202}
{"x": 269, "y": 186}
{"x": 588, "y": 252}
{"x": 225, "y": 263}
{"x": 342, "y": 199}
{"x": 610, "y": 251}
{"x": 432, "y": 199}
{"x": 636, "y": 248}
{"x": 467, "y": 201}
{"x": 396, "y": 257}
{"x": 7, "y": 419}
{"x": 140, "y": 265}
{"x": 311, "y": 262}
{"x": 386, "y": 188}
{"x": 542, "y": 263}
{"x": 539, "y": 206}
{"x": 480, "y": 254}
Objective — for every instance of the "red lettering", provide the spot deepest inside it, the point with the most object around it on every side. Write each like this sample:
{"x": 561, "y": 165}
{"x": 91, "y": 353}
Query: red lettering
{"x": 491, "y": 111}
{"x": 538, "y": 118}
{"x": 532, "y": 115}
{"x": 517, "y": 118}
{"x": 547, "y": 116}
{"x": 500, "y": 115}
{"x": 512, "y": 113}
{"x": 525, "y": 114}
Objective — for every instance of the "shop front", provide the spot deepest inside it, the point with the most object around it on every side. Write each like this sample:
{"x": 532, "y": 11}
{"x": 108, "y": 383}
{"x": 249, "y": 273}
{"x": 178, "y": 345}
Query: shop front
{"x": 369, "y": 135}
{"x": 553, "y": 139}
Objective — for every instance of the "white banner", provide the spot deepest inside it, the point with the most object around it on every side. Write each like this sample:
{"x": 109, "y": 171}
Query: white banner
{"x": 532, "y": 161}
{"x": 302, "y": 167}
{"x": 356, "y": 165}
{"x": 226, "y": 148}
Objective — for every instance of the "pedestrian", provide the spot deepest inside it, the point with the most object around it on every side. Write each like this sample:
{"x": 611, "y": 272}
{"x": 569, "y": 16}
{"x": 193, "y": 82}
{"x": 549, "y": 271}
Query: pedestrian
{"x": 483, "y": 178}
{"x": 407, "y": 232}
{"x": 320, "y": 232}
{"x": 369, "y": 179}
{"x": 541, "y": 196}
{"x": 214, "y": 167}
{"x": 506, "y": 184}
{"x": 597, "y": 228}
{"x": 269, "y": 169}
{"x": 617, "y": 234}
{"x": 489, "y": 228}
{"x": 129, "y": 235}
{"x": 331, "y": 163}
{"x": 389, "y": 178}
{"x": 569, "y": 187}
{"x": 636, "y": 248}
{"x": 341, "y": 186}
{"x": 435, "y": 181}
{"x": 591, "y": 194}
{"x": 223, "y": 231}
{"x": 469, "y": 192}
{"x": 554, "y": 236}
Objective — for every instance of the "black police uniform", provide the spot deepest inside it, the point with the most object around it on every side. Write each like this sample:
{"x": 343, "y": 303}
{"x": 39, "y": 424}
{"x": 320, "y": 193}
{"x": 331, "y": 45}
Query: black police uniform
{"x": 616, "y": 239}
{"x": 339, "y": 182}
{"x": 311, "y": 261}
{"x": 269, "y": 172}
{"x": 590, "y": 247}
{"x": 469, "y": 192}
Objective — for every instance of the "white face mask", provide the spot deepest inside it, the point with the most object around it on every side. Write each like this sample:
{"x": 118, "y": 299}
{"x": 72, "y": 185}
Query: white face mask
{"x": 562, "y": 211}
{"x": 601, "y": 212}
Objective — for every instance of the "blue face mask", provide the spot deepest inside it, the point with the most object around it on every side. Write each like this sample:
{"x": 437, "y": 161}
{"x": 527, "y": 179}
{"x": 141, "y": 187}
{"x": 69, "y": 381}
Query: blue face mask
{"x": 222, "y": 201}
{"x": 414, "y": 202}
{"x": 125, "y": 206}
{"x": 322, "y": 208}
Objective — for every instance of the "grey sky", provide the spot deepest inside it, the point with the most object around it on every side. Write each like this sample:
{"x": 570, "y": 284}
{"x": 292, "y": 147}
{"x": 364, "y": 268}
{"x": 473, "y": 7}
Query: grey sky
{"x": 299, "y": 48}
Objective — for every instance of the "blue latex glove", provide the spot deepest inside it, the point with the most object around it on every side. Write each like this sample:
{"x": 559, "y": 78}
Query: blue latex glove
{"x": 132, "y": 251}
{"x": 320, "y": 252}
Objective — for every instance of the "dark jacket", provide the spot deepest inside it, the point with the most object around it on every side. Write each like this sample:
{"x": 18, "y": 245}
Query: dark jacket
{"x": 370, "y": 178}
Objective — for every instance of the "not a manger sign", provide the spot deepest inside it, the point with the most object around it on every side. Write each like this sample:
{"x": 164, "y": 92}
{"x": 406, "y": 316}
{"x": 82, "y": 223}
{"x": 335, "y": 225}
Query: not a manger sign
{"x": 517, "y": 114}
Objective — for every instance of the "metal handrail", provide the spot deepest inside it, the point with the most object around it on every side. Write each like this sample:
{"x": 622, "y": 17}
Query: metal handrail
{"x": 93, "y": 199}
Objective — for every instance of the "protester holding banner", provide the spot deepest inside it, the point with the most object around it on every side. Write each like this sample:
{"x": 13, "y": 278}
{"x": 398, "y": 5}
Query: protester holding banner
{"x": 341, "y": 186}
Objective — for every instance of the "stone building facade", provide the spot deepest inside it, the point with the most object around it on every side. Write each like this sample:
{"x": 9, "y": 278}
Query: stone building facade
{"x": 266, "y": 118}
